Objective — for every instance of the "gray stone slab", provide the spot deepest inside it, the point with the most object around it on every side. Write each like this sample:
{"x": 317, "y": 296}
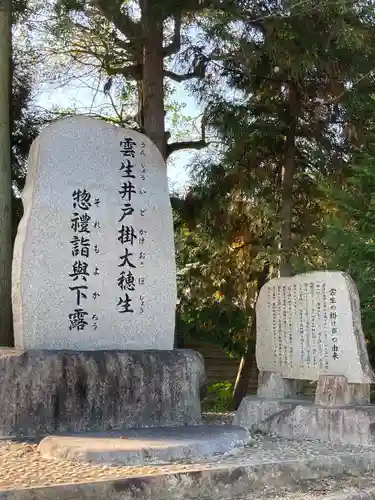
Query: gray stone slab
{"x": 254, "y": 410}
{"x": 273, "y": 386}
{"x": 296, "y": 419}
{"x": 355, "y": 425}
{"x": 143, "y": 446}
{"x": 44, "y": 392}
{"x": 267, "y": 469}
{"x": 333, "y": 390}
{"x": 353, "y": 495}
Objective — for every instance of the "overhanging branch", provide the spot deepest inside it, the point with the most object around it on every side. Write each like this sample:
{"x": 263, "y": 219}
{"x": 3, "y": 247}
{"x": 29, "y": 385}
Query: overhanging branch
{"x": 134, "y": 71}
{"x": 182, "y": 78}
{"x": 178, "y": 146}
{"x": 120, "y": 19}
{"x": 199, "y": 144}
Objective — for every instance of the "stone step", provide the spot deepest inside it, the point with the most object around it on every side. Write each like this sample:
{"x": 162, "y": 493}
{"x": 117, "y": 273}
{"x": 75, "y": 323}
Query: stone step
{"x": 145, "y": 446}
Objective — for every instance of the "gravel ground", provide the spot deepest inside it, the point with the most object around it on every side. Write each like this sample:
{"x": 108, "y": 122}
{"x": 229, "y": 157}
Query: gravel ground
{"x": 343, "y": 488}
{"x": 22, "y": 466}
{"x": 218, "y": 418}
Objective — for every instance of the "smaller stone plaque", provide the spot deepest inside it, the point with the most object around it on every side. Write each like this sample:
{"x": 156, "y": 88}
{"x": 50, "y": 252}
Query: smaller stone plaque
{"x": 310, "y": 325}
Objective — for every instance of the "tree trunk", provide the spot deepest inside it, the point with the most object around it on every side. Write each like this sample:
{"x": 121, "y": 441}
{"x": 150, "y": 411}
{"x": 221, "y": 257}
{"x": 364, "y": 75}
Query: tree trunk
{"x": 244, "y": 371}
{"x": 6, "y": 336}
{"x": 287, "y": 177}
{"x": 153, "y": 88}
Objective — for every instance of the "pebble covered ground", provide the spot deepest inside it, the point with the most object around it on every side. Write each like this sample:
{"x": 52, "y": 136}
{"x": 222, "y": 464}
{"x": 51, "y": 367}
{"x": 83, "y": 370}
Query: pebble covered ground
{"x": 21, "y": 466}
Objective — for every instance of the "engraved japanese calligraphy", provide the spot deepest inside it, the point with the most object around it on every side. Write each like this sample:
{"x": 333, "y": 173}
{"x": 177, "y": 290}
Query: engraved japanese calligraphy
{"x": 309, "y": 325}
{"x": 94, "y": 264}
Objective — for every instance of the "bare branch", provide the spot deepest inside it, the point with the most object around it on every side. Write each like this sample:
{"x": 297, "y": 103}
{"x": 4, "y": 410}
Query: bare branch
{"x": 120, "y": 19}
{"x": 175, "y": 46}
{"x": 122, "y": 44}
{"x": 134, "y": 71}
{"x": 97, "y": 90}
{"x": 182, "y": 78}
{"x": 199, "y": 144}
{"x": 178, "y": 146}
{"x": 119, "y": 115}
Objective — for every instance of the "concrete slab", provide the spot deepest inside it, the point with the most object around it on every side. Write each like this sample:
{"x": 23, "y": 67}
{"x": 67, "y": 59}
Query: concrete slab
{"x": 142, "y": 446}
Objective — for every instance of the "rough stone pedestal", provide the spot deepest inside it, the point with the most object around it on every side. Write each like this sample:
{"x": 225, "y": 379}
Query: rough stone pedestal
{"x": 254, "y": 410}
{"x": 300, "y": 419}
{"x": 272, "y": 385}
{"x": 44, "y": 392}
{"x": 354, "y": 425}
{"x": 333, "y": 390}
{"x": 274, "y": 395}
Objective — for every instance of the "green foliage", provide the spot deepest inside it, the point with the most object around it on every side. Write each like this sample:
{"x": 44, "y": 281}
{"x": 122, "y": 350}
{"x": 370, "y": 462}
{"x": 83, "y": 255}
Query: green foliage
{"x": 216, "y": 304}
{"x": 286, "y": 87}
{"x": 218, "y": 397}
{"x": 26, "y": 120}
{"x": 350, "y": 235}
{"x": 277, "y": 91}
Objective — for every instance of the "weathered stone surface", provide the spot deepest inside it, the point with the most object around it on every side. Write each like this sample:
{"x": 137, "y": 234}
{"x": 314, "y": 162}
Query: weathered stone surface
{"x": 354, "y": 425}
{"x": 269, "y": 469}
{"x": 143, "y": 446}
{"x": 43, "y": 392}
{"x": 94, "y": 263}
{"x": 273, "y": 386}
{"x": 335, "y": 391}
{"x": 310, "y": 325}
{"x": 254, "y": 410}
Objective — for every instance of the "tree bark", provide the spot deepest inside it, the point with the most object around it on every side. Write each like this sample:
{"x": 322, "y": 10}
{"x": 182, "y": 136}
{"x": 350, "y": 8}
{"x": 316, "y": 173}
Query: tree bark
{"x": 153, "y": 88}
{"x": 6, "y": 334}
{"x": 287, "y": 177}
{"x": 244, "y": 371}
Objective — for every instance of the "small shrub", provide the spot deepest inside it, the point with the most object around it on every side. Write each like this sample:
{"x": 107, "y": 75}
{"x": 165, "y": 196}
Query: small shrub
{"x": 218, "y": 397}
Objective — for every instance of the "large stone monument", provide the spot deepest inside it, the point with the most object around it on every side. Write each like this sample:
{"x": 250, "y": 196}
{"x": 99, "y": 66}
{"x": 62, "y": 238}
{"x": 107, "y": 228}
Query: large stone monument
{"x": 309, "y": 328}
{"x": 94, "y": 290}
{"x": 94, "y": 257}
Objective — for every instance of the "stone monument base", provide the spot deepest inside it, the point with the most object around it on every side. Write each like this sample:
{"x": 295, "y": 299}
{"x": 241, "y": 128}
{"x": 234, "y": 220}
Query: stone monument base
{"x": 146, "y": 446}
{"x": 297, "y": 419}
{"x": 44, "y": 392}
{"x": 254, "y": 410}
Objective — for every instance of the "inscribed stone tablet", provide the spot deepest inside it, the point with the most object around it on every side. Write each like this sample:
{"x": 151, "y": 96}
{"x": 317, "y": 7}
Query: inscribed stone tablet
{"x": 94, "y": 264}
{"x": 310, "y": 325}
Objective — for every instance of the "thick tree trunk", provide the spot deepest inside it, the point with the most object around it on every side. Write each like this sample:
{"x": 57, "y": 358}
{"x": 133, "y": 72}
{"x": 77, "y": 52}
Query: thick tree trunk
{"x": 287, "y": 177}
{"x": 153, "y": 88}
{"x": 244, "y": 371}
{"x": 151, "y": 97}
{"x": 6, "y": 336}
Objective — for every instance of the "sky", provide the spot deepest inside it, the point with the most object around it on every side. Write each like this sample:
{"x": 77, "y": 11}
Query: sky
{"x": 81, "y": 97}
